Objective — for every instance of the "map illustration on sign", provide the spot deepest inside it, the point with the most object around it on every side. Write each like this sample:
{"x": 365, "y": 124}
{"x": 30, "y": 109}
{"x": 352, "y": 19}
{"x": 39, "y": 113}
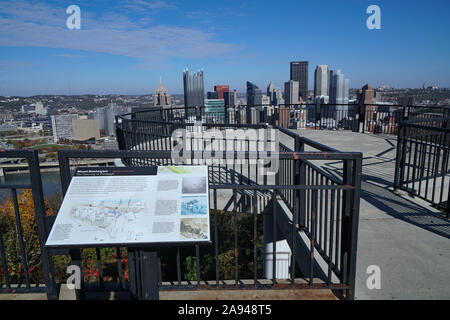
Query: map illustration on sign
{"x": 133, "y": 205}
{"x": 110, "y": 215}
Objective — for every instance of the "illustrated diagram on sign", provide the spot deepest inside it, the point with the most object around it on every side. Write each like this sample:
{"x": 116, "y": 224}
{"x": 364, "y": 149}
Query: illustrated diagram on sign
{"x": 109, "y": 215}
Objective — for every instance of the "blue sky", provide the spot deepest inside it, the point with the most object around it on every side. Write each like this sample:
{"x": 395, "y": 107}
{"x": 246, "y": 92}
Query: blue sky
{"x": 124, "y": 47}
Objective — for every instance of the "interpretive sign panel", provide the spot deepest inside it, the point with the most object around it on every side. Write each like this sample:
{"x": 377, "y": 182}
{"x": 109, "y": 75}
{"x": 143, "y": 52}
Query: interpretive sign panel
{"x": 133, "y": 205}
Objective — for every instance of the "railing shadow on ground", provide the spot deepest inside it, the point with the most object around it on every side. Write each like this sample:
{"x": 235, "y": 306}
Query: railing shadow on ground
{"x": 404, "y": 209}
{"x": 378, "y": 192}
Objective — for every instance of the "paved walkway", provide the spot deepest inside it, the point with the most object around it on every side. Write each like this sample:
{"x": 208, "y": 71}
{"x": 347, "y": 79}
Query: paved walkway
{"x": 407, "y": 238}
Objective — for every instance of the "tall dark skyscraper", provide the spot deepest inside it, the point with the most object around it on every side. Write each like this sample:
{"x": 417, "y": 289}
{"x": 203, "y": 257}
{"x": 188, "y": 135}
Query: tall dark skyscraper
{"x": 229, "y": 98}
{"x": 299, "y": 72}
{"x": 254, "y": 94}
{"x": 194, "y": 92}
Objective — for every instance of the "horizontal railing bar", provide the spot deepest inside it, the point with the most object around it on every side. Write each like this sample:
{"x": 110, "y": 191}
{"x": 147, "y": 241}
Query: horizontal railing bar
{"x": 282, "y": 146}
{"x": 280, "y": 187}
{"x": 15, "y": 186}
{"x": 16, "y": 153}
{"x": 418, "y": 126}
{"x": 413, "y": 121}
{"x": 237, "y": 155}
{"x": 322, "y": 172}
{"x": 309, "y": 142}
{"x": 258, "y": 286}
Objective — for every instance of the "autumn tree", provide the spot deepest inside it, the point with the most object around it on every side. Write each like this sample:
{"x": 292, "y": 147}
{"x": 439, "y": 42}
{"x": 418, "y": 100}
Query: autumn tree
{"x": 10, "y": 234}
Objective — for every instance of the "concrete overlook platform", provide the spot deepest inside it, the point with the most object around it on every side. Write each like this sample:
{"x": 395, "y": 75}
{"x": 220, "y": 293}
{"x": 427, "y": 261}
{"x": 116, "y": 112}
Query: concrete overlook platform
{"x": 407, "y": 238}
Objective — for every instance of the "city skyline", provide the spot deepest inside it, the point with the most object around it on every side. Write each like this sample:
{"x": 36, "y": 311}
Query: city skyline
{"x": 124, "y": 48}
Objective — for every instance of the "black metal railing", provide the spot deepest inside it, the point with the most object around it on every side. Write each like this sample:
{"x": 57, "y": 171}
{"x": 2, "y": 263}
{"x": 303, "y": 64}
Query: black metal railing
{"x": 24, "y": 240}
{"x": 324, "y": 207}
{"x": 251, "y": 201}
{"x": 373, "y": 118}
{"x": 316, "y": 213}
{"x": 422, "y": 162}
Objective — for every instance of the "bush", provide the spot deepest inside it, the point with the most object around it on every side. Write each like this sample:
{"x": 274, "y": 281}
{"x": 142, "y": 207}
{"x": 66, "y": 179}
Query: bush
{"x": 10, "y": 236}
{"x": 30, "y": 236}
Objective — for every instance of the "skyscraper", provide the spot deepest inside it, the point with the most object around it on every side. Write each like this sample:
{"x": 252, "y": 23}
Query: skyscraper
{"x": 274, "y": 94}
{"x": 277, "y": 97}
{"x": 321, "y": 81}
{"x": 221, "y": 89}
{"x": 291, "y": 92}
{"x": 299, "y": 72}
{"x": 230, "y": 98}
{"x": 194, "y": 92}
{"x": 339, "y": 87}
{"x": 270, "y": 89}
{"x": 254, "y": 94}
{"x": 161, "y": 96}
{"x": 106, "y": 117}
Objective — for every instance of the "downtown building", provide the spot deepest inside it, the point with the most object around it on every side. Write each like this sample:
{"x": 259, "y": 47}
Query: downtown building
{"x": 339, "y": 88}
{"x": 221, "y": 89}
{"x": 106, "y": 117}
{"x": 161, "y": 98}
{"x": 230, "y": 98}
{"x": 291, "y": 92}
{"x": 62, "y": 126}
{"x": 254, "y": 95}
{"x": 194, "y": 90}
{"x": 322, "y": 83}
{"x": 275, "y": 95}
{"x": 85, "y": 130}
{"x": 299, "y": 73}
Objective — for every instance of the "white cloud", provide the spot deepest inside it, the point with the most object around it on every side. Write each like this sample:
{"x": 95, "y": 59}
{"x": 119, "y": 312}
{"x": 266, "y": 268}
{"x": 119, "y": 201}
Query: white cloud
{"x": 24, "y": 23}
{"x": 152, "y": 5}
{"x": 71, "y": 56}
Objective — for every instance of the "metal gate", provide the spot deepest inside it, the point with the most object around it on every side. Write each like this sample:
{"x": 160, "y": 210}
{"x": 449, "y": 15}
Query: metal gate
{"x": 422, "y": 162}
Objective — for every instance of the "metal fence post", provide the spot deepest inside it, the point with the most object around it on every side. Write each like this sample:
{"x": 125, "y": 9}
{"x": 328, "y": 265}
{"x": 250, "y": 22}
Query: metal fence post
{"x": 300, "y": 179}
{"x": 350, "y": 220}
{"x": 400, "y": 157}
{"x": 448, "y": 204}
{"x": 42, "y": 224}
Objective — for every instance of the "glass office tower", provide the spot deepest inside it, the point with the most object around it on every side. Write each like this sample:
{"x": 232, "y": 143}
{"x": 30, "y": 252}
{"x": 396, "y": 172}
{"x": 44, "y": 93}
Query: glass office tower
{"x": 194, "y": 92}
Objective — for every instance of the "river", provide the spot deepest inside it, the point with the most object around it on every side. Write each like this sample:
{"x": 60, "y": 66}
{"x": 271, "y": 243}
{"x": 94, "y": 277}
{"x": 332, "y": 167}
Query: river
{"x": 50, "y": 182}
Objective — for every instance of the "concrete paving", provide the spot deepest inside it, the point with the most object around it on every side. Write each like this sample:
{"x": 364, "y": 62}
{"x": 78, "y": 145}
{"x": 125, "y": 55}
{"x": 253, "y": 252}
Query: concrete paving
{"x": 404, "y": 236}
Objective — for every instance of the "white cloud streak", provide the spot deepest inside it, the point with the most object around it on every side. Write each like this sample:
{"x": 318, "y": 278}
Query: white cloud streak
{"x": 25, "y": 23}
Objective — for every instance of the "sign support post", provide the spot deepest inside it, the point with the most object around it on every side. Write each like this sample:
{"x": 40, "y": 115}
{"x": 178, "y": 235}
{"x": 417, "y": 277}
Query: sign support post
{"x": 143, "y": 267}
